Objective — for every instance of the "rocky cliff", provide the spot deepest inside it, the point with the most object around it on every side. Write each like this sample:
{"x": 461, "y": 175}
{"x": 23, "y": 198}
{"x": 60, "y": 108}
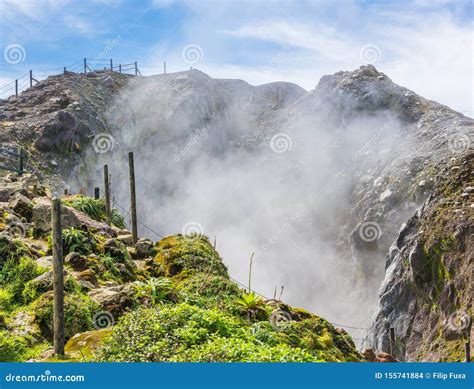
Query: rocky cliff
{"x": 371, "y": 163}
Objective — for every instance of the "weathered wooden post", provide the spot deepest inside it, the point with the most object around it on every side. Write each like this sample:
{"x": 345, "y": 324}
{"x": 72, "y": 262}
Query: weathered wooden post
{"x": 392, "y": 341}
{"x": 21, "y": 159}
{"x": 96, "y": 193}
{"x": 31, "y": 78}
{"x": 64, "y": 71}
{"x": 107, "y": 193}
{"x": 16, "y": 88}
{"x": 120, "y": 68}
{"x": 250, "y": 271}
{"x": 133, "y": 198}
{"x": 164, "y": 67}
{"x": 467, "y": 349}
{"x": 58, "y": 278}
{"x": 111, "y": 64}
{"x": 85, "y": 65}
{"x": 136, "y": 68}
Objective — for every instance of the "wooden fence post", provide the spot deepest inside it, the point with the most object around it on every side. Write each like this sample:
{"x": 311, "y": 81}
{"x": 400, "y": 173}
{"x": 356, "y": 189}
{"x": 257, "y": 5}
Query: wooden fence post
{"x": 21, "y": 157}
{"x": 16, "y": 88}
{"x": 392, "y": 341}
{"x": 31, "y": 78}
{"x": 96, "y": 193}
{"x": 107, "y": 193}
{"x": 136, "y": 68}
{"x": 85, "y": 65}
{"x": 120, "y": 68}
{"x": 58, "y": 277}
{"x": 133, "y": 198}
{"x": 111, "y": 64}
{"x": 64, "y": 72}
{"x": 164, "y": 67}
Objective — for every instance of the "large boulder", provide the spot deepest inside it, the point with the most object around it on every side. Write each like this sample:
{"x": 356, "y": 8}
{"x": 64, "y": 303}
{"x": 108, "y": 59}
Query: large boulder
{"x": 69, "y": 218}
{"x": 115, "y": 299}
{"x": 21, "y": 205}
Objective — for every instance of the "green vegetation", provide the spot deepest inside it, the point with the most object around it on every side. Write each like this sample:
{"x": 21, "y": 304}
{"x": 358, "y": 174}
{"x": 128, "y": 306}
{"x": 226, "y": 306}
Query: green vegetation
{"x": 181, "y": 304}
{"x": 79, "y": 310}
{"x": 16, "y": 348}
{"x": 95, "y": 209}
{"x": 14, "y": 275}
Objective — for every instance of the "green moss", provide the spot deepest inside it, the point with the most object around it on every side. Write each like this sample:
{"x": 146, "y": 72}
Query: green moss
{"x": 14, "y": 348}
{"x": 81, "y": 347}
{"x": 78, "y": 313}
{"x": 193, "y": 253}
{"x": 95, "y": 209}
{"x": 189, "y": 333}
{"x": 13, "y": 277}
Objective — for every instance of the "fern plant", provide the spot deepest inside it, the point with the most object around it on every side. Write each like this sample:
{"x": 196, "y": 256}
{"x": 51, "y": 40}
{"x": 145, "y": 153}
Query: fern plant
{"x": 75, "y": 240}
{"x": 155, "y": 289}
{"x": 252, "y": 305}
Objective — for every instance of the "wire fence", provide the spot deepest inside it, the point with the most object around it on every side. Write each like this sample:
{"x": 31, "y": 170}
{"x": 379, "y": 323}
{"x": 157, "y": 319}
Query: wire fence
{"x": 83, "y": 66}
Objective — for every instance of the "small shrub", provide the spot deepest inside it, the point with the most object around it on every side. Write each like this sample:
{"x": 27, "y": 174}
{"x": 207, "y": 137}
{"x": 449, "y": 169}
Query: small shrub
{"x": 16, "y": 273}
{"x": 155, "y": 290}
{"x": 78, "y": 312}
{"x": 158, "y": 334}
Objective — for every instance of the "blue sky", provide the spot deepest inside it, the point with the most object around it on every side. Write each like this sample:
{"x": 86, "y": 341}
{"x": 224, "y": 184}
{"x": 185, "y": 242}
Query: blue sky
{"x": 424, "y": 45}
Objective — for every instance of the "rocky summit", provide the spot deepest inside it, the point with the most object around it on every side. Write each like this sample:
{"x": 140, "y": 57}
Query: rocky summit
{"x": 357, "y": 196}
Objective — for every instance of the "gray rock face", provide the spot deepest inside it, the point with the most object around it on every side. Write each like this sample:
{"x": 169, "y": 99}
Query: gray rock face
{"x": 426, "y": 296}
{"x": 69, "y": 218}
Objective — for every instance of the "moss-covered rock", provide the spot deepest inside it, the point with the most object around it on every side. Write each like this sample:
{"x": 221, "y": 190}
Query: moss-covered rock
{"x": 178, "y": 253}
